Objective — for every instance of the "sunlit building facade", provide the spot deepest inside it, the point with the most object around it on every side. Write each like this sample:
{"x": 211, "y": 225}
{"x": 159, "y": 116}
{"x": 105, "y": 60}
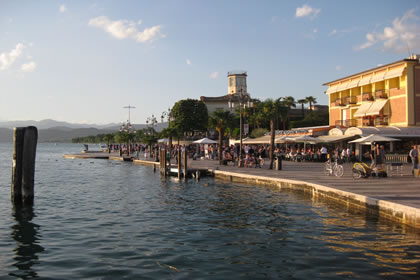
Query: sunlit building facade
{"x": 387, "y": 95}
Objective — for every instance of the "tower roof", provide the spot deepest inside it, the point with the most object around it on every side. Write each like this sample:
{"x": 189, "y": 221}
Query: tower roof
{"x": 237, "y": 73}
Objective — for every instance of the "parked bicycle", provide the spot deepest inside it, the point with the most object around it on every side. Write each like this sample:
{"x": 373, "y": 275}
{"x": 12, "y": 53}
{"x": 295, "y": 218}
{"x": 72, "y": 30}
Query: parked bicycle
{"x": 333, "y": 168}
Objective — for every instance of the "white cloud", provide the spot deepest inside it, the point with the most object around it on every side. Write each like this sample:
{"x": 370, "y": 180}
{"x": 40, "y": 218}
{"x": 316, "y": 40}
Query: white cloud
{"x": 214, "y": 75}
{"x": 123, "y": 29}
{"x": 338, "y": 67}
{"x": 28, "y": 67}
{"x": 307, "y": 11}
{"x": 315, "y": 30}
{"x": 188, "y": 61}
{"x": 7, "y": 59}
{"x": 403, "y": 34}
{"x": 62, "y": 8}
{"x": 333, "y": 32}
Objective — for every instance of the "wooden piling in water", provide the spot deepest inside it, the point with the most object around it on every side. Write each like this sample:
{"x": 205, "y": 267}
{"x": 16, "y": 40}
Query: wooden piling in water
{"x": 185, "y": 163}
{"x": 28, "y": 164}
{"x": 16, "y": 191}
{"x": 179, "y": 163}
{"x": 23, "y": 170}
{"x": 164, "y": 162}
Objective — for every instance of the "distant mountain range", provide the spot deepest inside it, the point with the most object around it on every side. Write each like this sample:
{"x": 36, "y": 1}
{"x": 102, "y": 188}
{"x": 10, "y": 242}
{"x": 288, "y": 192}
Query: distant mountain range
{"x": 55, "y": 131}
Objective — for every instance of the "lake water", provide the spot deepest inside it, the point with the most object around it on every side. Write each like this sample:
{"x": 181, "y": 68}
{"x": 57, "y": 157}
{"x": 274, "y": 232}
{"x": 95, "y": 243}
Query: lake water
{"x": 100, "y": 219}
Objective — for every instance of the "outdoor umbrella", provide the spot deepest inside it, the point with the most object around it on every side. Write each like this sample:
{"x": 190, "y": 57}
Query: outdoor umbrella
{"x": 205, "y": 141}
{"x": 306, "y": 139}
{"x": 368, "y": 140}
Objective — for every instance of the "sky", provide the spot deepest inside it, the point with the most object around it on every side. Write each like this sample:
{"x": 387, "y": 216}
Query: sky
{"x": 83, "y": 61}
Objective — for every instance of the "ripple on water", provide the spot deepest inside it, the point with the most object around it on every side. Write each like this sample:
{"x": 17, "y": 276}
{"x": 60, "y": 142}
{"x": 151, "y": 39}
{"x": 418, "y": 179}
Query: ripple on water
{"x": 109, "y": 220}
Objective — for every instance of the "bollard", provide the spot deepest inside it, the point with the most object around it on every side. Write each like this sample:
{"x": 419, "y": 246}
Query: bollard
{"x": 185, "y": 163}
{"x": 197, "y": 175}
{"x": 179, "y": 163}
{"x": 18, "y": 136}
{"x": 23, "y": 170}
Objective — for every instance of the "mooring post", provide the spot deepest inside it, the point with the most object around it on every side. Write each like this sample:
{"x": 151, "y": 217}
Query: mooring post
{"x": 185, "y": 163}
{"x": 23, "y": 166}
{"x": 179, "y": 162}
{"x": 18, "y": 136}
{"x": 164, "y": 163}
{"x": 28, "y": 164}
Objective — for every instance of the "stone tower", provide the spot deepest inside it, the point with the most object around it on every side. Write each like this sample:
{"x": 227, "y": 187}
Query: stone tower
{"x": 237, "y": 82}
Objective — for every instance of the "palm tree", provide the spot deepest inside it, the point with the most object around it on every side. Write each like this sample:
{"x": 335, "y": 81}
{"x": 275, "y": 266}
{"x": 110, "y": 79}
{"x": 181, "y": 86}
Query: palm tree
{"x": 220, "y": 120}
{"x": 271, "y": 111}
{"x": 302, "y": 102}
{"x": 311, "y": 100}
{"x": 284, "y": 109}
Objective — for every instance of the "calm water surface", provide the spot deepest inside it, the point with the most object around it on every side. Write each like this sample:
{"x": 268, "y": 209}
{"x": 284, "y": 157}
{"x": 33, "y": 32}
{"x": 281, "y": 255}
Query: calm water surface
{"x": 99, "y": 219}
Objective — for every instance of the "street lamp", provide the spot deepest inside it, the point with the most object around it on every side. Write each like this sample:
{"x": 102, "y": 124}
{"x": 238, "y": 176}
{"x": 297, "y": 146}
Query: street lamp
{"x": 166, "y": 114}
{"x": 244, "y": 101}
{"x": 152, "y": 121}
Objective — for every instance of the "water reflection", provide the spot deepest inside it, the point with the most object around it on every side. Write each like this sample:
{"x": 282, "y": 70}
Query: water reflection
{"x": 26, "y": 235}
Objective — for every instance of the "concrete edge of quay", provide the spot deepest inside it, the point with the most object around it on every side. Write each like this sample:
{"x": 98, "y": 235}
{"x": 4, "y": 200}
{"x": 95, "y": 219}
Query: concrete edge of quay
{"x": 382, "y": 209}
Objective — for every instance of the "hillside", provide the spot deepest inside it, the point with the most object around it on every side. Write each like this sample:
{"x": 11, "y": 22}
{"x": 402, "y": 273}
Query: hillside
{"x": 56, "y": 134}
{"x": 54, "y": 131}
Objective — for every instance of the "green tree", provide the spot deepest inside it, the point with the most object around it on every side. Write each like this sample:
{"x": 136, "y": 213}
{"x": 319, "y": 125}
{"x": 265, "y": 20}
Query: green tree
{"x": 311, "y": 100}
{"x": 302, "y": 102}
{"x": 220, "y": 120}
{"x": 285, "y": 105}
{"x": 272, "y": 109}
{"x": 189, "y": 115}
{"x": 258, "y": 132}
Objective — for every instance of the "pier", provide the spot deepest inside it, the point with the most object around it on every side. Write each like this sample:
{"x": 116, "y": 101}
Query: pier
{"x": 395, "y": 198}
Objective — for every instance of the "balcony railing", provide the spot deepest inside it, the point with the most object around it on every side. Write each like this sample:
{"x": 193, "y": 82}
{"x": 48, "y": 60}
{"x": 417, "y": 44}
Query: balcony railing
{"x": 350, "y": 122}
{"x": 367, "y": 96}
{"x": 339, "y": 123}
{"x": 381, "y": 121}
{"x": 367, "y": 122}
{"x": 339, "y": 102}
{"x": 381, "y": 94}
{"x": 351, "y": 100}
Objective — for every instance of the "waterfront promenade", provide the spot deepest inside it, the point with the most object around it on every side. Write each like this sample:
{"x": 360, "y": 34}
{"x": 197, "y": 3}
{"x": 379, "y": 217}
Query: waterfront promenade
{"x": 396, "y": 197}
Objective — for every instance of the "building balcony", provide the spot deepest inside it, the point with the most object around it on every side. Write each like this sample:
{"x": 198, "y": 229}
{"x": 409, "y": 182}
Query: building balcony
{"x": 381, "y": 121}
{"x": 381, "y": 94}
{"x": 339, "y": 102}
{"x": 350, "y": 122}
{"x": 368, "y": 122}
{"x": 339, "y": 123}
{"x": 350, "y": 100}
{"x": 367, "y": 96}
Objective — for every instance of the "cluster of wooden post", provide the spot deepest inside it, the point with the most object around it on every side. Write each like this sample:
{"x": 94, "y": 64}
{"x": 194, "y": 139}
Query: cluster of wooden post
{"x": 165, "y": 165}
{"x": 23, "y": 165}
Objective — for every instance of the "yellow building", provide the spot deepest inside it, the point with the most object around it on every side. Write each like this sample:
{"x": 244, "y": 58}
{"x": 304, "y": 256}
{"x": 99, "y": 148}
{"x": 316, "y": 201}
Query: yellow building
{"x": 387, "y": 95}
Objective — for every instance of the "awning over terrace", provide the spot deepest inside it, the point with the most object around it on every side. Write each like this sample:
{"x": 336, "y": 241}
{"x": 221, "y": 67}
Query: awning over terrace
{"x": 363, "y": 109}
{"x": 397, "y": 72}
{"x": 376, "y": 107}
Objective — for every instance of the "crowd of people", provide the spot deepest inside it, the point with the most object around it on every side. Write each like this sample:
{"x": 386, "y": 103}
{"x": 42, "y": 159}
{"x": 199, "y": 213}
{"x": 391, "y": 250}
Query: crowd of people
{"x": 257, "y": 155}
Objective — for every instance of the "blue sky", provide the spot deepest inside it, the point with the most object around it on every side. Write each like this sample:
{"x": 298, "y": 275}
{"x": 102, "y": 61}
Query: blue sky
{"x": 82, "y": 61}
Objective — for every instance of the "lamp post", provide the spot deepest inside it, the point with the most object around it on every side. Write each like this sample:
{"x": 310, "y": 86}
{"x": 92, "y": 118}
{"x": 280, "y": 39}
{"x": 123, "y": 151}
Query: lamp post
{"x": 127, "y": 127}
{"x": 244, "y": 101}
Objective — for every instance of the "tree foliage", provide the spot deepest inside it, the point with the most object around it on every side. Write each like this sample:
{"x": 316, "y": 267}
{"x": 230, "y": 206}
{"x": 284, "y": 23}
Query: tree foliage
{"x": 221, "y": 120}
{"x": 189, "y": 115}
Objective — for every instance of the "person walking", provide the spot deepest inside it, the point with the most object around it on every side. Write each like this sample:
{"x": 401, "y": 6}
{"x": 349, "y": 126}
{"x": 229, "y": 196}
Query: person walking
{"x": 414, "y": 155}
